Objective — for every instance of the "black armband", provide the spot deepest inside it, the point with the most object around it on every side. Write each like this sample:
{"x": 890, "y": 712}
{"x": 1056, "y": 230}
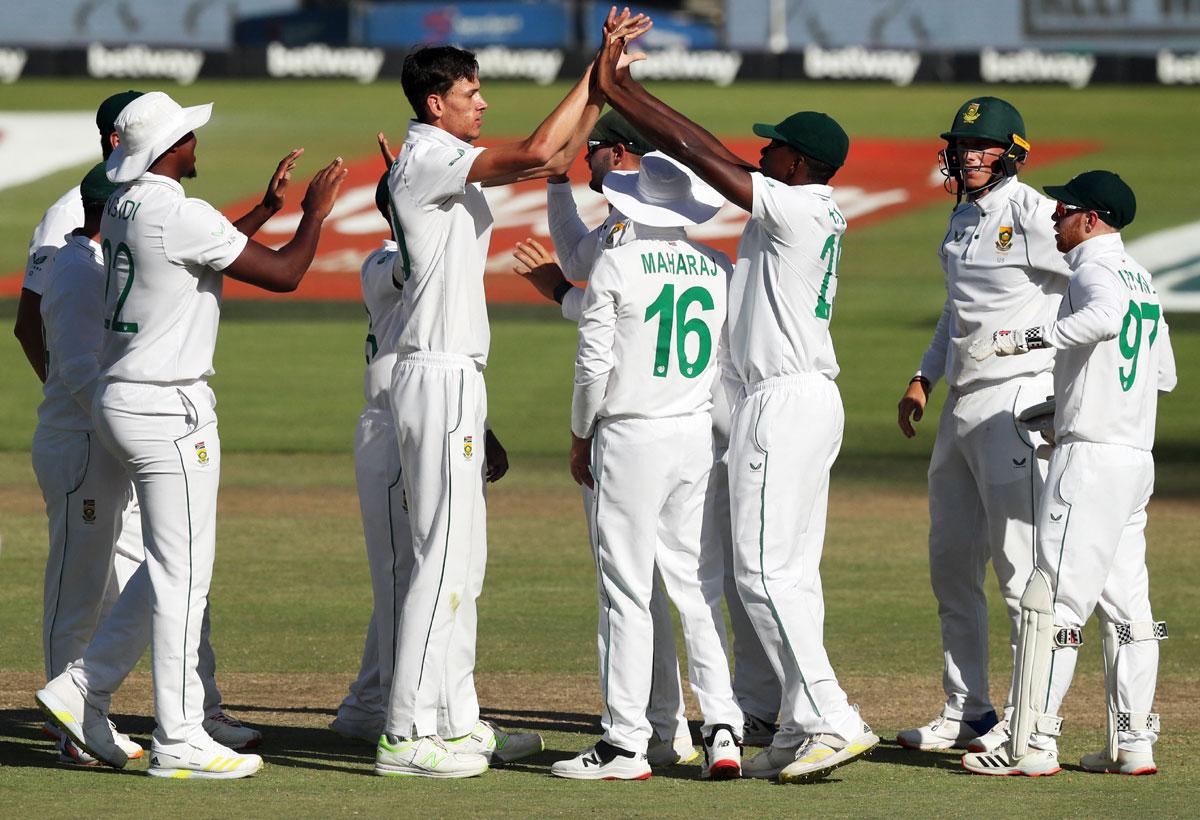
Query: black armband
{"x": 561, "y": 290}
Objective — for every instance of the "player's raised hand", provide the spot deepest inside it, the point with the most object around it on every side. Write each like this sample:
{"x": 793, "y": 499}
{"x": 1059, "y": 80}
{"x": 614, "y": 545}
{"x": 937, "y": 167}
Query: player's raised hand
{"x": 581, "y": 461}
{"x": 385, "y": 149}
{"x": 912, "y": 406}
{"x": 323, "y": 190}
{"x": 277, "y": 188}
{"x": 539, "y": 266}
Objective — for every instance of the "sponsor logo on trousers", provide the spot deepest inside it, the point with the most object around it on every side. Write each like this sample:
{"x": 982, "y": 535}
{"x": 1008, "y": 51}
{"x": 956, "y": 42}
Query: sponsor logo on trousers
{"x": 180, "y": 65}
{"x": 857, "y": 63}
{"x": 319, "y": 60}
{"x": 12, "y": 63}
{"x": 1031, "y": 66}
{"x": 1178, "y": 69}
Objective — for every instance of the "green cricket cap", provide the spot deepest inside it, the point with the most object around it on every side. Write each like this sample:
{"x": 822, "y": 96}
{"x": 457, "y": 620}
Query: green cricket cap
{"x": 812, "y": 133}
{"x": 1101, "y": 191}
{"x": 988, "y": 118}
{"x": 96, "y": 186}
{"x": 106, "y": 114}
{"x": 613, "y": 128}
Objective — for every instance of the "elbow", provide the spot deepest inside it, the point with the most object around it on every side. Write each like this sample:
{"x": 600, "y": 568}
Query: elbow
{"x": 539, "y": 152}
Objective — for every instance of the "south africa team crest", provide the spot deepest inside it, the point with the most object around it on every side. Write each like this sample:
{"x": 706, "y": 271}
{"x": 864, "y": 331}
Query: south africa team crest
{"x": 89, "y": 510}
{"x": 971, "y": 114}
{"x": 468, "y": 448}
{"x": 1004, "y": 238}
{"x": 201, "y": 453}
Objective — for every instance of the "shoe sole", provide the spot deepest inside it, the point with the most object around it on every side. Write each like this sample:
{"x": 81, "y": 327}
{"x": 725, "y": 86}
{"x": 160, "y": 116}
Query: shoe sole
{"x": 818, "y": 774}
{"x": 62, "y": 717}
{"x": 195, "y": 774}
{"x": 724, "y": 770}
{"x": 1011, "y": 773}
{"x": 1147, "y": 770}
{"x": 573, "y": 776}
{"x": 927, "y": 747}
{"x": 426, "y": 773}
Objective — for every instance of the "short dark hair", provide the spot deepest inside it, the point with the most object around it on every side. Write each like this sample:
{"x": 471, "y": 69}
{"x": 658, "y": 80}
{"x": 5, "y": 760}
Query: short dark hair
{"x": 433, "y": 70}
{"x": 818, "y": 172}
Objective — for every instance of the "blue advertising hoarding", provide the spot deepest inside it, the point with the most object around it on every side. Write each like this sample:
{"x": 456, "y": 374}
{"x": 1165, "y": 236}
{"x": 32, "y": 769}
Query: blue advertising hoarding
{"x": 468, "y": 24}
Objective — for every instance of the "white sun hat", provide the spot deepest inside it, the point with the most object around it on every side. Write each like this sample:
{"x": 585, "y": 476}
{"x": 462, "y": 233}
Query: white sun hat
{"x": 663, "y": 193}
{"x": 146, "y": 128}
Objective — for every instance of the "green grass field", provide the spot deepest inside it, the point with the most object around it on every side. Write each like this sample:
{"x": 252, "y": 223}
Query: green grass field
{"x": 290, "y": 593}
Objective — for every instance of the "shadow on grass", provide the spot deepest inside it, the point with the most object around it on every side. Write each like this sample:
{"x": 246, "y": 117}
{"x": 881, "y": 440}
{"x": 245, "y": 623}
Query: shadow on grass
{"x": 892, "y": 753}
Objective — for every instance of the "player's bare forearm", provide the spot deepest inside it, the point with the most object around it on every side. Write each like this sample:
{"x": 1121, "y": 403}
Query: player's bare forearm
{"x": 254, "y": 219}
{"x": 273, "y": 199}
{"x": 680, "y": 138}
{"x": 28, "y": 330}
{"x": 560, "y": 163}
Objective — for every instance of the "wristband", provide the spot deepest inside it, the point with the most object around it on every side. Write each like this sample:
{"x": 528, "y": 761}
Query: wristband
{"x": 924, "y": 382}
{"x": 561, "y": 290}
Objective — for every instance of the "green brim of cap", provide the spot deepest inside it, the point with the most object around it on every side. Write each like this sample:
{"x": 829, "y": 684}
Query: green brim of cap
{"x": 1059, "y": 193}
{"x": 765, "y": 131}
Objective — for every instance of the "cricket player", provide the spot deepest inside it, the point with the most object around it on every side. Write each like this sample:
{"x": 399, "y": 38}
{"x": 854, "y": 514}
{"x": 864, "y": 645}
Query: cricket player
{"x": 1114, "y": 357}
{"x": 642, "y": 439}
{"x": 1002, "y": 269}
{"x": 385, "y": 509}
{"x": 786, "y": 404}
{"x": 165, "y": 255}
{"x": 615, "y": 145}
{"x": 85, "y": 569}
{"x": 443, "y": 226}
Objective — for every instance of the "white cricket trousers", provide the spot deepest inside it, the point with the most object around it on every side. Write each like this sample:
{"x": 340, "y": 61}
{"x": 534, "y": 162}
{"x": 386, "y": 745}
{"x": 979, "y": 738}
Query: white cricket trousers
{"x": 665, "y": 710}
{"x": 441, "y": 406}
{"x": 1092, "y": 542}
{"x": 985, "y": 485}
{"x": 786, "y": 433}
{"x": 651, "y": 476}
{"x": 388, "y": 536}
{"x": 166, "y": 439}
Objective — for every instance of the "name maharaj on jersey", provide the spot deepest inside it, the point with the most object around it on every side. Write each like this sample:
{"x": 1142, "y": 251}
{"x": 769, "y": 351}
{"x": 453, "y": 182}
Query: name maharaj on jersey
{"x": 680, "y": 264}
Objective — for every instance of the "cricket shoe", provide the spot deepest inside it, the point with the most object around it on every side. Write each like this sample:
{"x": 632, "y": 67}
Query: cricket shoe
{"x": 768, "y": 763}
{"x": 991, "y": 740}
{"x": 229, "y": 731}
{"x": 366, "y": 729}
{"x": 50, "y": 730}
{"x": 425, "y": 757}
{"x": 1127, "y": 762}
{"x": 945, "y": 733}
{"x": 825, "y": 752}
{"x": 131, "y": 747}
{"x": 756, "y": 731}
{"x": 71, "y": 755}
{"x": 208, "y": 760}
{"x": 82, "y": 722}
{"x": 722, "y": 755}
{"x": 671, "y": 752}
{"x": 1034, "y": 763}
{"x": 495, "y": 744}
{"x": 603, "y": 762}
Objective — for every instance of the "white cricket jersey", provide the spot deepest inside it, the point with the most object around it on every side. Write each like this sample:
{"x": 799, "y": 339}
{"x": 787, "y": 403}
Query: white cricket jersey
{"x": 164, "y": 253}
{"x": 72, "y": 324}
{"x": 651, "y": 324}
{"x": 443, "y": 226}
{"x": 1114, "y": 349}
{"x": 1002, "y": 270}
{"x": 381, "y": 297}
{"x": 783, "y": 287}
{"x": 64, "y": 216}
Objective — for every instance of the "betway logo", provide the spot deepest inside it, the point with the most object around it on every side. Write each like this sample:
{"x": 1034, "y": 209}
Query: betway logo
{"x": 12, "y": 63}
{"x": 1178, "y": 69}
{"x": 180, "y": 65}
{"x": 719, "y": 67}
{"x": 858, "y": 63}
{"x": 882, "y": 179}
{"x": 362, "y": 64}
{"x": 539, "y": 65}
{"x": 1030, "y": 66}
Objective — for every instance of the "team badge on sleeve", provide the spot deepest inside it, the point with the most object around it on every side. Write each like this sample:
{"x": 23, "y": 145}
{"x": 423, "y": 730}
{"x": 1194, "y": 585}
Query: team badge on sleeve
{"x": 468, "y": 448}
{"x": 201, "y": 452}
{"x": 89, "y": 510}
{"x": 1004, "y": 239}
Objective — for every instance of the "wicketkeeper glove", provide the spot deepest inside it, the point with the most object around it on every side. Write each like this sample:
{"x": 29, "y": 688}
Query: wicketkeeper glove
{"x": 1007, "y": 343}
